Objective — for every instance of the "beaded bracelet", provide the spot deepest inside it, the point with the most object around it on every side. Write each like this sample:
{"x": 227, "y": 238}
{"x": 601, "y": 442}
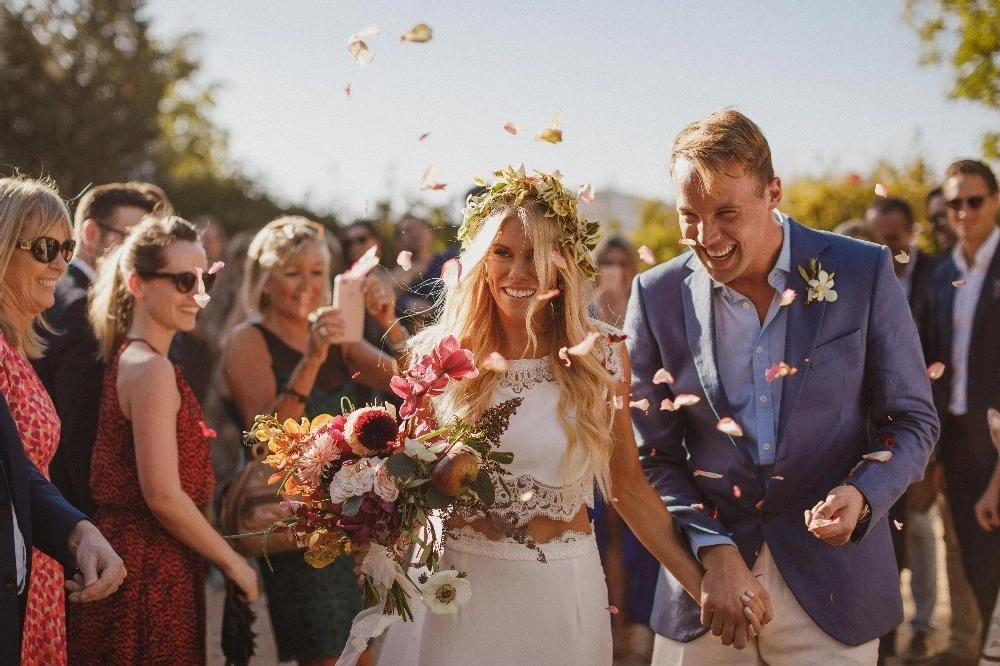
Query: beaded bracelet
{"x": 295, "y": 395}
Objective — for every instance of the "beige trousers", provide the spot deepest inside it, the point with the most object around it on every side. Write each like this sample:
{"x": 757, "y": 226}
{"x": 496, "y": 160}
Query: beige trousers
{"x": 791, "y": 639}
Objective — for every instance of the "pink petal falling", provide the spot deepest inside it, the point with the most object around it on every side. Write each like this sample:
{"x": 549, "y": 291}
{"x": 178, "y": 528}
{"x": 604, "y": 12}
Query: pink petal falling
{"x": 663, "y": 376}
{"x": 878, "y": 456}
{"x": 689, "y": 242}
{"x": 585, "y": 346}
{"x": 347, "y": 89}
{"x": 357, "y": 47}
{"x": 451, "y": 272}
{"x": 788, "y": 296}
{"x": 586, "y": 193}
{"x": 495, "y": 362}
{"x": 902, "y": 257}
{"x": 405, "y": 260}
{"x": 429, "y": 180}
{"x": 706, "y": 474}
{"x": 216, "y": 267}
{"x": 959, "y": 283}
{"x": 552, "y": 133}
{"x": 640, "y": 404}
{"x": 511, "y": 128}
{"x": 418, "y": 34}
{"x": 881, "y": 190}
{"x": 728, "y": 426}
{"x": 935, "y": 370}
{"x": 646, "y": 255}
{"x": 779, "y": 370}
{"x": 423, "y": 136}
{"x": 559, "y": 260}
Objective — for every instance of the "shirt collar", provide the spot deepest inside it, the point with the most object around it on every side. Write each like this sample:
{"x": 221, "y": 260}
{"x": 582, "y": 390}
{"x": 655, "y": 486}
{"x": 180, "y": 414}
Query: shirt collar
{"x": 983, "y": 254}
{"x": 778, "y": 277}
{"x": 84, "y": 268}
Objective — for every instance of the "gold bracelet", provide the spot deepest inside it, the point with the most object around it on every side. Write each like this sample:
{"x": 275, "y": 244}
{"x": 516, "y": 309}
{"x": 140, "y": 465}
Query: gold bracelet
{"x": 295, "y": 395}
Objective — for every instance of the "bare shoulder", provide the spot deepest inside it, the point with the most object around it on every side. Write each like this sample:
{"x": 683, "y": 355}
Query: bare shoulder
{"x": 246, "y": 342}
{"x": 142, "y": 371}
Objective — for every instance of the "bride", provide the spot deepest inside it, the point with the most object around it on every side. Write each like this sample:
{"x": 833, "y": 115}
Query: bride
{"x": 538, "y": 589}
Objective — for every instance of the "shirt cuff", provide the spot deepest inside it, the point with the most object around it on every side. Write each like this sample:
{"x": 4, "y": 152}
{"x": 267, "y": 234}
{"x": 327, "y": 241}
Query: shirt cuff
{"x": 698, "y": 540}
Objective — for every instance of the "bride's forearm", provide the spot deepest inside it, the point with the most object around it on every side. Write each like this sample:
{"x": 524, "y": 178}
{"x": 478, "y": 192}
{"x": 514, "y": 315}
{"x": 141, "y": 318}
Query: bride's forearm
{"x": 645, "y": 514}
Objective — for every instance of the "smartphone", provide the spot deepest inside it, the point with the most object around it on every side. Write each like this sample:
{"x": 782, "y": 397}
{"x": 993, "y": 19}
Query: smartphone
{"x": 349, "y": 300}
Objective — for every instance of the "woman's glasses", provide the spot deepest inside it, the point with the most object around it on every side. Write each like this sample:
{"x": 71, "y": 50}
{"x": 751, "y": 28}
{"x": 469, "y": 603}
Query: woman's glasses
{"x": 974, "y": 203}
{"x": 45, "y": 248}
{"x": 185, "y": 281}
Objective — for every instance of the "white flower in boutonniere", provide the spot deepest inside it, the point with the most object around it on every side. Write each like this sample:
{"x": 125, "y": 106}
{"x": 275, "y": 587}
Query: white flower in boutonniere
{"x": 820, "y": 282}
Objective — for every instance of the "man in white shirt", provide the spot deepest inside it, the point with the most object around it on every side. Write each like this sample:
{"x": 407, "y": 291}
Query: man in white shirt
{"x": 967, "y": 342}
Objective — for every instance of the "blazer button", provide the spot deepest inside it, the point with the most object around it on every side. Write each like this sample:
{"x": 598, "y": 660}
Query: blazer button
{"x": 9, "y": 583}
{"x": 765, "y": 517}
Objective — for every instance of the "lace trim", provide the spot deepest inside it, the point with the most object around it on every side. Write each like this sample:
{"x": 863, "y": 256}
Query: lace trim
{"x": 567, "y": 545}
{"x": 525, "y": 374}
{"x": 530, "y": 498}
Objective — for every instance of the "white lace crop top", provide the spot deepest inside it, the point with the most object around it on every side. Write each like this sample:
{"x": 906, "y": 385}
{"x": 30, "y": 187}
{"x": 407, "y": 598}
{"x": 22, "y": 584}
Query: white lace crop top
{"x": 540, "y": 485}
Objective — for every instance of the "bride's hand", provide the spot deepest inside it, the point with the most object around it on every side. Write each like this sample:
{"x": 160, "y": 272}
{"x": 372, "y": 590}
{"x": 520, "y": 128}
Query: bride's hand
{"x": 754, "y": 610}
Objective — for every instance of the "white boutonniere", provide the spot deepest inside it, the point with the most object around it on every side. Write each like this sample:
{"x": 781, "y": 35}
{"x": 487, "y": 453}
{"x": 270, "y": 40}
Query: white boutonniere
{"x": 819, "y": 281}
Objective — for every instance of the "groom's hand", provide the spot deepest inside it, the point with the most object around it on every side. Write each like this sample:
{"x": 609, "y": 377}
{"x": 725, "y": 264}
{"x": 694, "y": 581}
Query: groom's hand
{"x": 833, "y": 520}
{"x": 726, "y": 579}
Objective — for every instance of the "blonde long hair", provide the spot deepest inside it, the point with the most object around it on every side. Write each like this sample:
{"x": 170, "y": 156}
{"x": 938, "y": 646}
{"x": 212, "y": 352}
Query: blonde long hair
{"x": 111, "y": 303}
{"x": 469, "y": 312}
{"x": 28, "y": 208}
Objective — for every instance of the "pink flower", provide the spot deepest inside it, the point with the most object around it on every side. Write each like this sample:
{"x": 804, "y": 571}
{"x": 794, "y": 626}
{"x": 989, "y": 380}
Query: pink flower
{"x": 453, "y": 361}
{"x": 319, "y": 455}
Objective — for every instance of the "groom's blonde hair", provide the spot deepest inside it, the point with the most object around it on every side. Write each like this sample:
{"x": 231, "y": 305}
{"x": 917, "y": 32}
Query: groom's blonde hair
{"x": 726, "y": 139}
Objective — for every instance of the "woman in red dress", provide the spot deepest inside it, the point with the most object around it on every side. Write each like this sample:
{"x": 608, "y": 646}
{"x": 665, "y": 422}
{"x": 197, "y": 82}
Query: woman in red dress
{"x": 29, "y": 268}
{"x": 151, "y": 471}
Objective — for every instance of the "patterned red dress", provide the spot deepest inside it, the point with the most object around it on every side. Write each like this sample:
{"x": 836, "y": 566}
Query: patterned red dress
{"x": 38, "y": 425}
{"x": 157, "y": 616}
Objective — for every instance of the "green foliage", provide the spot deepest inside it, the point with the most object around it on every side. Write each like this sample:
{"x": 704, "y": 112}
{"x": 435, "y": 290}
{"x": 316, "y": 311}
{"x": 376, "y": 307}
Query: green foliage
{"x": 966, "y": 33}
{"x": 659, "y": 231}
{"x": 89, "y": 97}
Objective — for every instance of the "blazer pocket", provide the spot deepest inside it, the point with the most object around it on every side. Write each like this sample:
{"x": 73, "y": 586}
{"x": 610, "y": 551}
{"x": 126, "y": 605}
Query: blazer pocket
{"x": 834, "y": 348}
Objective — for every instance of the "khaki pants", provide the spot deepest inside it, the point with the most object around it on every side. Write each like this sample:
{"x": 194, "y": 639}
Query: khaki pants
{"x": 791, "y": 639}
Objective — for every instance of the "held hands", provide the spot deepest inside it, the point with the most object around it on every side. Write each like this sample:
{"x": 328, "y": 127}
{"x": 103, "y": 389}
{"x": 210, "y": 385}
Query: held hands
{"x": 733, "y": 602}
{"x": 833, "y": 520}
{"x": 101, "y": 571}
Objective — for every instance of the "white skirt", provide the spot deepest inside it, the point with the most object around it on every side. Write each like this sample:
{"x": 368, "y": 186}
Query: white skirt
{"x": 521, "y": 611}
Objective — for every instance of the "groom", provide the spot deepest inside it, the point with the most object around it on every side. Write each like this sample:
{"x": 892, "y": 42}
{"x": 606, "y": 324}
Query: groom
{"x": 779, "y": 501}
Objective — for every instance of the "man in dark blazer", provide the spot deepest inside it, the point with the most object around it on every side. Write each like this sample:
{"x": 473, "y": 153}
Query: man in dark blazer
{"x": 33, "y": 513}
{"x": 792, "y": 504}
{"x": 967, "y": 342}
{"x": 70, "y": 370}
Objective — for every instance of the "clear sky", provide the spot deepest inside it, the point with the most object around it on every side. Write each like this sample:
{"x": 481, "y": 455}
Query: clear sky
{"x": 834, "y": 85}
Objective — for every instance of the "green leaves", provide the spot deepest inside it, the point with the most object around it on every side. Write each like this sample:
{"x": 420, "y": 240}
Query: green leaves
{"x": 436, "y": 499}
{"x": 483, "y": 487}
{"x": 352, "y": 506}
{"x": 502, "y": 457}
{"x": 401, "y": 465}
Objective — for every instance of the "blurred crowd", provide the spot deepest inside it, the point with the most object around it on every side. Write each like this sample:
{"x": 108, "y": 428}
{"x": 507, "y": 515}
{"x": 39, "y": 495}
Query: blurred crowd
{"x": 133, "y": 399}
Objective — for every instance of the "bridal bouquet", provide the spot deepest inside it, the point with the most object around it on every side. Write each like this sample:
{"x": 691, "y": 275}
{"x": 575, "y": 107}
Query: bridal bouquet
{"x": 370, "y": 478}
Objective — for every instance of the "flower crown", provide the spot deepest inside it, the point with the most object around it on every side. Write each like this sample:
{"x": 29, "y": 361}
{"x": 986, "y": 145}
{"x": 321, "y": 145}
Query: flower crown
{"x": 511, "y": 187}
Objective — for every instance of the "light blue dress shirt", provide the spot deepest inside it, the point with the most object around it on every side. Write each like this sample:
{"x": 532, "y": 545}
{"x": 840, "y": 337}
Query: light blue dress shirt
{"x": 745, "y": 349}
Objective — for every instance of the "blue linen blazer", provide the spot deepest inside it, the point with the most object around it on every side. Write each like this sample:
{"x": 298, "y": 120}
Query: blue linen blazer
{"x": 861, "y": 384}
{"x": 45, "y": 519}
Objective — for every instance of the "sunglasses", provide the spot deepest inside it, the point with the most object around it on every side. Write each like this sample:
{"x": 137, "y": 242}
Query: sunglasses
{"x": 111, "y": 229}
{"x": 975, "y": 203}
{"x": 185, "y": 281}
{"x": 45, "y": 248}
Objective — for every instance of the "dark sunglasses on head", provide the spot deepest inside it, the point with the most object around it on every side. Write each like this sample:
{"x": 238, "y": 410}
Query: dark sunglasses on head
{"x": 975, "y": 203}
{"x": 45, "y": 248}
{"x": 185, "y": 281}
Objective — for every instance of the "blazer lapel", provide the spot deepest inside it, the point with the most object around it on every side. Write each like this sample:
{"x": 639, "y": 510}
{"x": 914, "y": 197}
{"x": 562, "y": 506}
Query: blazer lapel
{"x": 805, "y": 320}
{"x": 699, "y": 323}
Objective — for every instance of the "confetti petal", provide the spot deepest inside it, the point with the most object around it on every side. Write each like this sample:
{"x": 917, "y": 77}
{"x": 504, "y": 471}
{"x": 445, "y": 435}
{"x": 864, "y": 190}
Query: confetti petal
{"x": 510, "y": 127}
{"x": 552, "y": 133}
{"x": 902, "y": 257}
{"x": 451, "y": 272}
{"x": 526, "y": 496}
{"x": 557, "y": 174}
{"x": 618, "y": 402}
{"x": 548, "y": 295}
{"x": 207, "y": 432}
{"x": 424, "y": 136}
{"x": 899, "y": 525}
{"x": 881, "y": 190}
{"x": 690, "y": 242}
{"x": 935, "y": 370}
{"x": 959, "y": 283}
{"x": 559, "y": 260}
{"x": 788, "y": 296}
{"x": 640, "y": 404}
{"x": 686, "y": 399}
{"x": 663, "y": 376}
{"x": 646, "y": 255}
{"x": 405, "y": 260}
{"x": 495, "y": 362}
{"x": 358, "y": 49}
{"x": 202, "y": 300}
{"x": 356, "y": 375}
{"x": 585, "y": 346}
{"x": 418, "y": 34}
{"x": 429, "y": 179}
{"x": 612, "y": 610}
{"x": 216, "y": 267}
{"x": 779, "y": 370}
{"x": 777, "y": 477}
{"x": 878, "y": 456}
{"x": 586, "y": 193}
{"x": 364, "y": 264}
{"x": 564, "y": 356}
{"x": 348, "y": 89}
{"x": 737, "y": 493}
{"x": 707, "y": 475}
{"x": 728, "y": 426}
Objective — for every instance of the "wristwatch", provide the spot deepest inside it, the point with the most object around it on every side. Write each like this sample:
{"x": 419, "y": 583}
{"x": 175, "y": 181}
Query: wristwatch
{"x": 866, "y": 513}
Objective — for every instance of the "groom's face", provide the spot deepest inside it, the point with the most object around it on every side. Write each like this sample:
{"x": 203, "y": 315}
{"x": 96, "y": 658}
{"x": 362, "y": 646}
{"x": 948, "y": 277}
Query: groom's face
{"x": 735, "y": 235}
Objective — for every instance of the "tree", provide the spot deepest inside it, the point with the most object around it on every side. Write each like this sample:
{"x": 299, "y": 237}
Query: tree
{"x": 967, "y": 33}
{"x": 659, "y": 230}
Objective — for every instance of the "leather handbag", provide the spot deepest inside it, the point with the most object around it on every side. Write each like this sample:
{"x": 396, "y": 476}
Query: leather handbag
{"x": 249, "y": 505}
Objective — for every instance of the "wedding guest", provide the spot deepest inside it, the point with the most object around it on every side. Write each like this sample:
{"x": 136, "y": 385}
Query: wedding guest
{"x": 418, "y": 289}
{"x": 616, "y": 266}
{"x": 70, "y": 368}
{"x": 857, "y": 229}
{"x": 967, "y": 326}
{"x": 151, "y": 475}
{"x": 781, "y": 496}
{"x": 937, "y": 217}
{"x": 287, "y": 359}
{"x": 892, "y": 223}
{"x": 357, "y": 238}
{"x": 35, "y": 246}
